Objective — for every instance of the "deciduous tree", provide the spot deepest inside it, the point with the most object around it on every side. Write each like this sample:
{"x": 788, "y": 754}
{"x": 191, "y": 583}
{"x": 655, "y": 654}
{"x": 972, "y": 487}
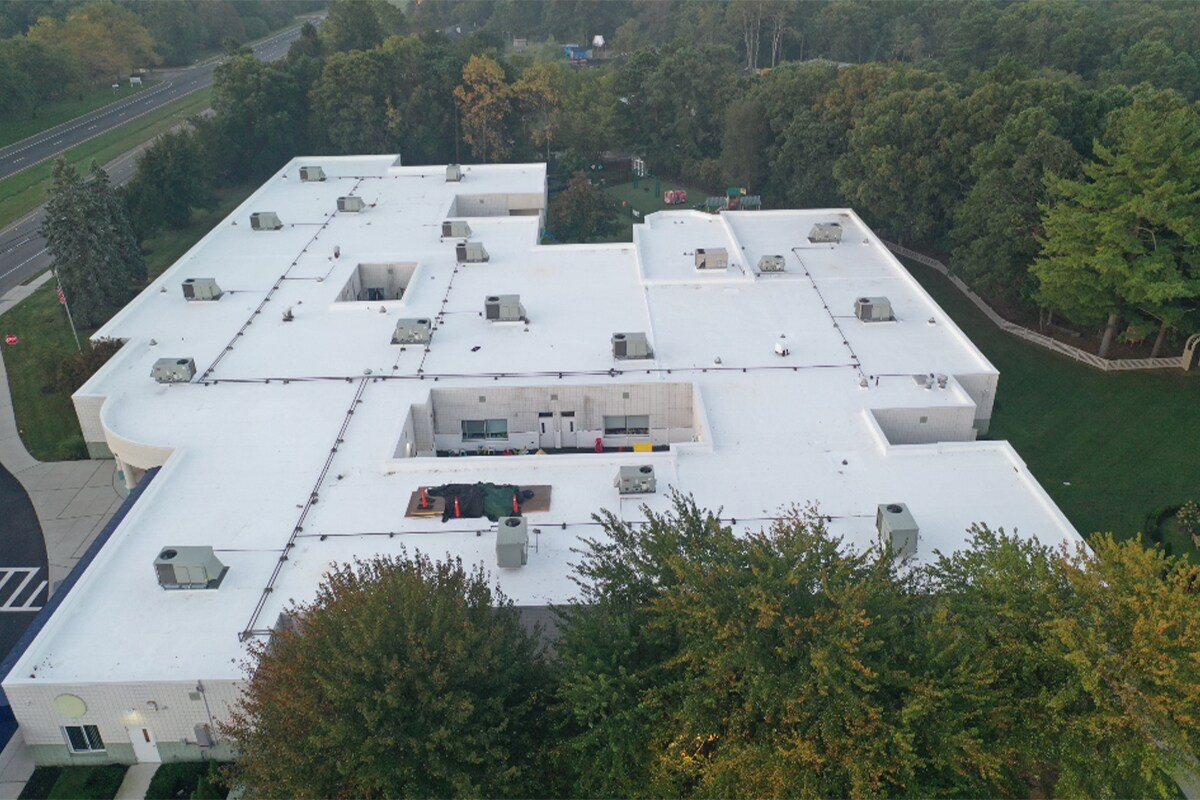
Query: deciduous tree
{"x": 402, "y": 678}
{"x": 485, "y": 102}
{"x": 582, "y": 213}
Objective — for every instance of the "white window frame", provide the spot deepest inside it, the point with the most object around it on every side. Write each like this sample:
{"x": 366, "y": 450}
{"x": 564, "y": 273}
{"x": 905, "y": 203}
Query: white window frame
{"x": 491, "y": 429}
{"x": 626, "y": 424}
{"x": 90, "y": 734}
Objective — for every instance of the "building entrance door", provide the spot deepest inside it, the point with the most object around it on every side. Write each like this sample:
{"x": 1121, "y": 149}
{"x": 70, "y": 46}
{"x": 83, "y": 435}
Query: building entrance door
{"x": 547, "y": 430}
{"x": 567, "y": 428}
{"x": 145, "y": 748}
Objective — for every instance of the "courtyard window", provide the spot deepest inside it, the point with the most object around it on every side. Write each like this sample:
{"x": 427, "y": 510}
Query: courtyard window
{"x": 481, "y": 429}
{"x": 84, "y": 738}
{"x": 628, "y": 425}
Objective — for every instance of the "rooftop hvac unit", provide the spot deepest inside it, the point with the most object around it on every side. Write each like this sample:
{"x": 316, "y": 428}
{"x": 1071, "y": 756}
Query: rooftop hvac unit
{"x": 897, "y": 529}
{"x": 630, "y": 345}
{"x": 265, "y": 221}
{"x": 351, "y": 203}
{"x": 512, "y": 542}
{"x": 173, "y": 370}
{"x": 189, "y": 568}
{"x": 308, "y": 174}
{"x": 712, "y": 258}
{"x": 504, "y": 308}
{"x": 635, "y": 480}
{"x": 825, "y": 233}
{"x": 873, "y": 309}
{"x": 456, "y": 228}
{"x": 201, "y": 289}
{"x": 770, "y": 264}
{"x": 204, "y": 736}
{"x": 412, "y": 331}
{"x": 470, "y": 252}
{"x": 453, "y": 173}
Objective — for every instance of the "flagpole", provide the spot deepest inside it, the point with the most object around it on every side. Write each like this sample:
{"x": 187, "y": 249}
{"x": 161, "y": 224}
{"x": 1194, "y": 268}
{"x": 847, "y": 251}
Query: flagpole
{"x": 62, "y": 298}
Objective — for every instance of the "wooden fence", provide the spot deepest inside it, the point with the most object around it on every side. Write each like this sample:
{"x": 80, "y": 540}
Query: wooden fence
{"x": 1040, "y": 339}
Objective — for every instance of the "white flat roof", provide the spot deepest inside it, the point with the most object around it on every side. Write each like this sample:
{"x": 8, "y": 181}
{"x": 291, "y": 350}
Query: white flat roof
{"x": 247, "y": 454}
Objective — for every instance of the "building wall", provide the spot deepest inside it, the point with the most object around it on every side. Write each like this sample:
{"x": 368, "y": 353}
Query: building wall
{"x": 669, "y": 405}
{"x": 982, "y": 389}
{"x": 926, "y": 425}
{"x": 497, "y": 205}
{"x": 166, "y": 709}
{"x": 87, "y": 408}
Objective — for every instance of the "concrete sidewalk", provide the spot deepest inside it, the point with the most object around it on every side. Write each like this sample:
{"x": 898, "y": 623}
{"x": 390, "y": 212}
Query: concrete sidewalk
{"x": 73, "y": 500}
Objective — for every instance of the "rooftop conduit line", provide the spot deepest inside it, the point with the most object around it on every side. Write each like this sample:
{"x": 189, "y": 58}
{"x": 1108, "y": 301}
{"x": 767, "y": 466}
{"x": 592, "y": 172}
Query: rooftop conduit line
{"x": 271, "y": 291}
{"x": 250, "y": 630}
{"x": 845, "y": 341}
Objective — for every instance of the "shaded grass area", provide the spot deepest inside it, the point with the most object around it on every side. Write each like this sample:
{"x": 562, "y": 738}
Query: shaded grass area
{"x": 199, "y": 780}
{"x": 27, "y": 190}
{"x": 15, "y": 127}
{"x": 46, "y": 418}
{"x": 645, "y": 200}
{"x": 1176, "y": 542}
{"x": 75, "y": 783}
{"x": 1108, "y": 447}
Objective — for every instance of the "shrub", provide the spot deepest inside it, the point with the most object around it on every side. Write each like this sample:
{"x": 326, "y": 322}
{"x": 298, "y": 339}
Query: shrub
{"x": 176, "y": 780}
{"x": 40, "y": 783}
{"x": 75, "y": 368}
{"x": 1189, "y": 518}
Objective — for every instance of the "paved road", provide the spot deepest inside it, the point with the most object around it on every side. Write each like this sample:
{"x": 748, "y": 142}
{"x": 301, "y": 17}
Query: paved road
{"x": 24, "y": 571}
{"x": 22, "y": 249}
{"x": 175, "y": 84}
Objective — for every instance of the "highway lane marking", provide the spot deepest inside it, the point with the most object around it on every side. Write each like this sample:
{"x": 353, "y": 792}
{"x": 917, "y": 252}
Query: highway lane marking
{"x": 23, "y": 263}
{"x": 16, "y": 160}
{"x": 91, "y": 127}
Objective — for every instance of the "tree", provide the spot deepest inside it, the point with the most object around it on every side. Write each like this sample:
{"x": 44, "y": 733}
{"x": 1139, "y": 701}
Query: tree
{"x": 583, "y": 213}
{"x": 107, "y": 39}
{"x": 421, "y": 117}
{"x": 96, "y": 257}
{"x": 350, "y": 103}
{"x": 1125, "y": 241}
{"x": 261, "y": 117}
{"x": 170, "y": 179}
{"x": 538, "y": 95}
{"x": 485, "y": 102}
{"x": 402, "y": 678}
{"x": 351, "y": 25}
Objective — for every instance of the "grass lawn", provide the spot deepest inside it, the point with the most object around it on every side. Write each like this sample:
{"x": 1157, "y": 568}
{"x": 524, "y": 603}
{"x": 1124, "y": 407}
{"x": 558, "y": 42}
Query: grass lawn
{"x": 1176, "y": 542}
{"x": 27, "y": 190}
{"x": 46, "y": 419}
{"x": 644, "y": 199}
{"x": 16, "y": 127}
{"x": 1108, "y": 447}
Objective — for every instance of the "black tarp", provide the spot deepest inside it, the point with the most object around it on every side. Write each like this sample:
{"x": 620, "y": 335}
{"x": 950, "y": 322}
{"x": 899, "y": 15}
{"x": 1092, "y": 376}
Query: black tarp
{"x": 489, "y": 500}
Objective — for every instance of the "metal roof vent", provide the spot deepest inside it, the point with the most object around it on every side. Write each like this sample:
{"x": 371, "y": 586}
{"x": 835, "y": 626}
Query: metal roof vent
{"x": 173, "y": 370}
{"x": 873, "y": 309}
{"x": 201, "y": 289}
{"x": 504, "y": 308}
{"x": 351, "y": 203}
{"x": 512, "y": 542}
{"x": 412, "y": 331}
{"x": 453, "y": 173}
{"x": 265, "y": 221}
{"x": 308, "y": 174}
{"x": 631, "y": 345}
{"x": 470, "y": 253}
{"x": 456, "y": 228}
{"x": 770, "y": 264}
{"x": 826, "y": 233}
{"x": 189, "y": 568}
{"x": 712, "y": 258}
{"x": 898, "y": 531}
{"x": 635, "y": 480}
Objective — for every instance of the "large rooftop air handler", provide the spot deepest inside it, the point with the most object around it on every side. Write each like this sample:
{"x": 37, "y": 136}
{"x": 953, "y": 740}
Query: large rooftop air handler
{"x": 712, "y": 258}
{"x": 308, "y": 174}
{"x": 412, "y": 331}
{"x": 351, "y": 203}
{"x": 470, "y": 253}
{"x": 825, "y": 233}
{"x": 265, "y": 221}
{"x": 453, "y": 173}
{"x": 456, "y": 229}
{"x": 201, "y": 289}
{"x": 897, "y": 529}
{"x": 635, "y": 480}
{"x": 173, "y": 370}
{"x": 512, "y": 542}
{"x": 873, "y": 309}
{"x": 504, "y": 308}
{"x": 189, "y": 568}
{"x": 630, "y": 345}
{"x": 771, "y": 264}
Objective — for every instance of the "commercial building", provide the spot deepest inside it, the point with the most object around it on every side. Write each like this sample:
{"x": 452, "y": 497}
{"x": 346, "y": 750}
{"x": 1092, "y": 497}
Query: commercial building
{"x": 358, "y": 332}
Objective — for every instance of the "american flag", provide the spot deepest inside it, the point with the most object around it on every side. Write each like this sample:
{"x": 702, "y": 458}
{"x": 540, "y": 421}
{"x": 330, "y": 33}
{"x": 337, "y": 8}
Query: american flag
{"x": 62, "y": 298}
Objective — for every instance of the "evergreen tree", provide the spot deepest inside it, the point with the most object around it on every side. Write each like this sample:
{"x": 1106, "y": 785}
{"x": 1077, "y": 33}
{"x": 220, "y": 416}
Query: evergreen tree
{"x": 95, "y": 252}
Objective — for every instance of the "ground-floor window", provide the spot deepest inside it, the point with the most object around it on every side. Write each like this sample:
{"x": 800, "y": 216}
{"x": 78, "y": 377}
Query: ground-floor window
{"x": 83, "y": 738}
{"x": 479, "y": 429}
{"x": 629, "y": 424}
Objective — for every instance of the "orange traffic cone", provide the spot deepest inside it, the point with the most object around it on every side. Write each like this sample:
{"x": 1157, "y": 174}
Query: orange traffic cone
{"x": 457, "y": 510}
{"x": 424, "y": 498}
{"x": 516, "y": 508}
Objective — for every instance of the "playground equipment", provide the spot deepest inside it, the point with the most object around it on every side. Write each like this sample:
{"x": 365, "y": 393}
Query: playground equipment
{"x": 675, "y": 197}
